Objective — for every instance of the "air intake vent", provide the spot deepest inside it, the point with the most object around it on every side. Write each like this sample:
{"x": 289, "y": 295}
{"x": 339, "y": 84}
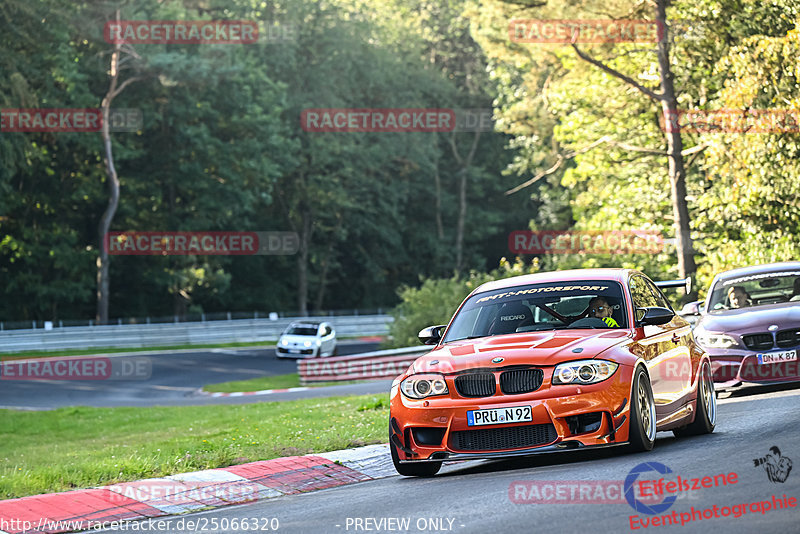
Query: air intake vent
{"x": 788, "y": 338}
{"x": 476, "y": 385}
{"x": 521, "y": 381}
{"x": 500, "y": 439}
{"x": 758, "y": 341}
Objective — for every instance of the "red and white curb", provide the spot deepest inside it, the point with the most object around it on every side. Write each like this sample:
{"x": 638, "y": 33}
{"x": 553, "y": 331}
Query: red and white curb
{"x": 188, "y": 492}
{"x": 246, "y": 393}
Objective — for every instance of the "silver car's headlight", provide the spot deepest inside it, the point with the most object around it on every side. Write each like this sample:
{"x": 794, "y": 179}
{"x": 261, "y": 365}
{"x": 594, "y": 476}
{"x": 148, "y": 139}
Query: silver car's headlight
{"x": 424, "y": 385}
{"x": 711, "y": 340}
{"x": 583, "y": 372}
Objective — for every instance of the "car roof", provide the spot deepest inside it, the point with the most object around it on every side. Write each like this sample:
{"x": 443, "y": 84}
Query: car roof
{"x": 617, "y": 275}
{"x": 306, "y": 323}
{"x": 758, "y": 269}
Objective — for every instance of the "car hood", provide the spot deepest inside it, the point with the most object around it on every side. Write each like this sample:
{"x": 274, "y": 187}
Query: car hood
{"x": 746, "y": 320}
{"x": 539, "y": 348}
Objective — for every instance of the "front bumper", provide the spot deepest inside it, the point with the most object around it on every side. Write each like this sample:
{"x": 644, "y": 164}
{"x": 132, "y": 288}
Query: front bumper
{"x": 555, "y": 411}
{"x": 734, "y": 367}
{"x": 304, "y": 353}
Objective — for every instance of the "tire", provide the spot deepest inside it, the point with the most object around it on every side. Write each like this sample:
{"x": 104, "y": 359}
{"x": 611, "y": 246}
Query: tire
{"x": 705, "y": 418}
{"x": 642, "y": 426}
{"x": 422, "y": 469}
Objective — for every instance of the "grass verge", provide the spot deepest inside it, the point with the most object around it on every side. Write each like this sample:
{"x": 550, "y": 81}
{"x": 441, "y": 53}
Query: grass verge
{"x": 81, "y": 447}
{"x": 269, "y": 382}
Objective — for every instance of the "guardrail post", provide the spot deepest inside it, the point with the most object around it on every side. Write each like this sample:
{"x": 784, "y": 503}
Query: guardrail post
{"x": 202, "y": 317}
{"x": 229, "y": 316}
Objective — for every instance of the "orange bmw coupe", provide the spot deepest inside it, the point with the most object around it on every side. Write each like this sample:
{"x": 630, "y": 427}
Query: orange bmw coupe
{"x": 551, "y": 362}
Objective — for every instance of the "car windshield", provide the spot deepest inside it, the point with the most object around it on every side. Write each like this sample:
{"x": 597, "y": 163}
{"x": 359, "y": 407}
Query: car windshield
{"x": 547, "y": 306}
{"x": 302, "y": 330}
{"x": 755, "y": 290}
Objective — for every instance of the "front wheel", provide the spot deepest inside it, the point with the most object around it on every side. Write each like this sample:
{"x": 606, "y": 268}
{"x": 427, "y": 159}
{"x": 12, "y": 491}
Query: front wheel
{"x": 705, "y": 418}
{"x": 422, "y": 469}
{"x": 642, "y": 427}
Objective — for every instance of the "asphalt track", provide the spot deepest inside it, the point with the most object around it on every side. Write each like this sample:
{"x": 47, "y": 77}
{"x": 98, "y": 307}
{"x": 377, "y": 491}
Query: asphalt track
{"x": 477, "y": 497}
{"x": 174, "y": 378}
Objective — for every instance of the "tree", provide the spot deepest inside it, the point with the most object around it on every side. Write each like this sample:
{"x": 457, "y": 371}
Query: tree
{"x": 121, "y": 53}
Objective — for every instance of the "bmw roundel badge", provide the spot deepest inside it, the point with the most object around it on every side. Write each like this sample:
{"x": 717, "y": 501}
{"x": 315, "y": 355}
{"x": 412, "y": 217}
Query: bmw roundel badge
{"x": 497, "y": 360}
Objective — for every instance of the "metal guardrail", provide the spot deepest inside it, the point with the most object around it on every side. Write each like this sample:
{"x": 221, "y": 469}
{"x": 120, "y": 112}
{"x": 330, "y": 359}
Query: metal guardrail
{"x": 155, "y": 335}
{"x": 375, "y": 365}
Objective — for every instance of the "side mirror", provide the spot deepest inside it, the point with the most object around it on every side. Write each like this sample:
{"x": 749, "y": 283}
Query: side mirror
{"x": 692, "y": 308}
{"x": 432, "y": 334}
{"x": 655, "y": 315}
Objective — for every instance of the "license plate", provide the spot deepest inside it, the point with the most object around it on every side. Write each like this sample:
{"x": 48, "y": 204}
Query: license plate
{"x": 294, "y": 351}
{"x": 499, "y": 416}
{"x": 777, "y": 357}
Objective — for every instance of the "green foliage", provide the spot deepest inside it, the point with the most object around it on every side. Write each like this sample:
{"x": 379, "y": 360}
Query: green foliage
{"x": 435, "y": 301}
{"x": 222, "y": 149}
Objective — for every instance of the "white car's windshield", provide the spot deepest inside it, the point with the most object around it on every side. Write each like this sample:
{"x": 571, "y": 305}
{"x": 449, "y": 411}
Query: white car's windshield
{"x": 549, "y": 306}
{"x": 302, "y": 331}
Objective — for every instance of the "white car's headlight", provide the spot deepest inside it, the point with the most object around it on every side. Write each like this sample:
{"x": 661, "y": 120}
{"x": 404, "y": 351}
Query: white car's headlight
{"x": 583, "y": 372}
{"x": 716, "y": 341}
{"x": 424, "y": 385}
{"x": 317, "y": 342}
{"x": 306, "y": 343}
{"x": 284, "y": 342}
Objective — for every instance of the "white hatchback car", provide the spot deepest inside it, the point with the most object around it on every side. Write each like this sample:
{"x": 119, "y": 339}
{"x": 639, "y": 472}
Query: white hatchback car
{"x": 307, "y": 340}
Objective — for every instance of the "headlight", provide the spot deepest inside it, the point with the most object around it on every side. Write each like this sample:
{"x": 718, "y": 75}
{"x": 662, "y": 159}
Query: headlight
{"x": 424, "y": 385}
{"x": 583, "y": 372}
{"x": 317, "y": 342}
{"x": 284, "y": 342}
{"x": 306, "y": 343}
{"x": 716, "y": 341}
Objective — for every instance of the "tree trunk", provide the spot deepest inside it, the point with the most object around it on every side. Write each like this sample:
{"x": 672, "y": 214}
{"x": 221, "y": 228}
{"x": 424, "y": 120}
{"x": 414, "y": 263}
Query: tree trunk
{"x": 462, "y": 216}
{"x": 103, "y": 282}
{"x": 677, "y": 171}
{"x": 323, "y": 275}
{"x": 114, "y": 89}
{"x": 464, "y": 164}
{"x": 302, "y": 263}
{"x": 438, "y": 182}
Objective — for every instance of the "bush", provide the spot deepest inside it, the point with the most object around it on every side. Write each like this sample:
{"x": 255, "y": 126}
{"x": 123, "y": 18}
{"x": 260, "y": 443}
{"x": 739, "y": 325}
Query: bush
{"x": 436, "y": 300}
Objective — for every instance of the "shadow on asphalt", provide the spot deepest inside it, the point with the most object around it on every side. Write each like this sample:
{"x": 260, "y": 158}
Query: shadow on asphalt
{"x": 750, "y": 390}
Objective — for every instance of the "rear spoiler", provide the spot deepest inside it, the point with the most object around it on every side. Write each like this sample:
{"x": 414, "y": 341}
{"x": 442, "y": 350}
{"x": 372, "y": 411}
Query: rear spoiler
{"x": 685, "y": 283}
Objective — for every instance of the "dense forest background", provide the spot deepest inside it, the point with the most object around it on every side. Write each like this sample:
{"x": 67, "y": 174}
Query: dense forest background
{"x": 380, "y": 214}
